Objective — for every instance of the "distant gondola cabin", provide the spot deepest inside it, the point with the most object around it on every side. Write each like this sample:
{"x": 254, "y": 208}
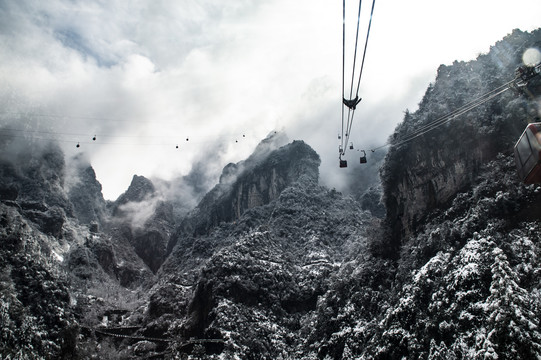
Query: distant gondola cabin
{"x": 528, "y": 154}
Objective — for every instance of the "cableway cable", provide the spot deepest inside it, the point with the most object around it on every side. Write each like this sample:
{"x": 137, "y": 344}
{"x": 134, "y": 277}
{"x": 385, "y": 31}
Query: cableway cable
{"x": 78, "y": 117}
{"x": 518, "y": 81}
{"x": 75, "y": 138}
{"x": 443, "y": 120}
{"x": 461, "y": 110}
{"x": 343, "y": 65}
{"x": 365, "y": 46}
{"x": 448, "y": 118}
{"x": 352, "y": 102}
{"x": 355, "y": 52}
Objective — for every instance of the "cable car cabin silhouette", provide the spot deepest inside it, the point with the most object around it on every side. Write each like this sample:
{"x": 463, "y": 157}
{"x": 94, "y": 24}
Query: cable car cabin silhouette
{"x": 343, "y": 163}
{"x": 528, "y": 154}
{"x": 363, "y": 157}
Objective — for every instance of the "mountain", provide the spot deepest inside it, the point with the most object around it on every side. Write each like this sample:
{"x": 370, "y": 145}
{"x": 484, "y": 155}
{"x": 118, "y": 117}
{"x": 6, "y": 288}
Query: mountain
{"x": 424, "y": 174}
{"x": 267, "y": 267}
{"x": 85, "y": 194}
{"x": 438, "y": 259}
{"x": 460, "y": 229}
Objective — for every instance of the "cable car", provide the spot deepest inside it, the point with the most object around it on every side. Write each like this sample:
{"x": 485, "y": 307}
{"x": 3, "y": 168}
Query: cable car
{"x": 363, "y": 157}
{"x": 343, "y": 163}
{"x": 528, "y": 154}
{"x": 351, "y": 146}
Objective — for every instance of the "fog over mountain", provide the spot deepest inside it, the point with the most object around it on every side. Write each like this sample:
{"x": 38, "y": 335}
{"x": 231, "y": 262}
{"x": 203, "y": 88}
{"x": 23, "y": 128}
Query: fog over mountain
{"x": 432, "y": 253}
{"x": 143, "y": 76}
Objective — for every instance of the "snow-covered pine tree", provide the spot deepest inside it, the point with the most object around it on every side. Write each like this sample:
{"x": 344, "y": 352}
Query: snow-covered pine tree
{"x": 513, "y": 325}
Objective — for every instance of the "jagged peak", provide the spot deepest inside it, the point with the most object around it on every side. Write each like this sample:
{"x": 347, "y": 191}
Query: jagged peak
{"x": 254, "y": 182}
{"x": 140, "y": 188}
{"x": 274, "y": 140}
{"x": 229, "y": 173}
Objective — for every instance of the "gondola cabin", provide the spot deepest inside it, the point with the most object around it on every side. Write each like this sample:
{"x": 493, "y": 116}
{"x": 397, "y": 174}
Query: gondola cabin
{"x": 363, "y": 157}
{"x": 528, "y": 154}
{"x": 343, "y": 163}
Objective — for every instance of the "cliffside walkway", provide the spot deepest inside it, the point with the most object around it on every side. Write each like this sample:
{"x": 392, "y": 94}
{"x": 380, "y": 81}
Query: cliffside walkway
{"x": 111, "y": 332}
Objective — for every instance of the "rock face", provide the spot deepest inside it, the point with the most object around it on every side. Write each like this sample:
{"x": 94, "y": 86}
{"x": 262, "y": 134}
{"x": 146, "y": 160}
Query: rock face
{"x": 34, "y": 214}
{"x": 423, "y": 174}
{"x": 251, "y": 183}
{"x": 144, "y": 220}
{"x": 150, "y": 241}
{"x": 470, "y": 266}
{"x": 88, "y": 203}
{"x": 425, "y": 180}
{"x": 34, "y": 180}
{"x": 140, "y": 189}
{"x": 271, "y": 265}
{"x": 258, "y": 278}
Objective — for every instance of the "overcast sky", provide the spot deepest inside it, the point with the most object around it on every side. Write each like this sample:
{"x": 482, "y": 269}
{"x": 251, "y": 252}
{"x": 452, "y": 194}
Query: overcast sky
{"x": 145, "y": 75}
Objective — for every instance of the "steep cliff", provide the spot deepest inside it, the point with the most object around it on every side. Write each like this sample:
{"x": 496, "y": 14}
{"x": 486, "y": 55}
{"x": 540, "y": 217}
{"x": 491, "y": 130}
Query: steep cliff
{"x": 252, "y": 284}
{"x": 426, "y": 172}
{"x": 140, "y": 189}
{"x": 465, "y": 286}
{"x": 35, "y": 218}
{"x": 32, "y": 176}
{"x": 272, "y": 265}
{"x": 85, "y": 194}
{"x": 251, "y": 183}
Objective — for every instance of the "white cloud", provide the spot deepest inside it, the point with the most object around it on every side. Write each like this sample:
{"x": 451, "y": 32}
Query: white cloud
{"x": 144, "y": 75}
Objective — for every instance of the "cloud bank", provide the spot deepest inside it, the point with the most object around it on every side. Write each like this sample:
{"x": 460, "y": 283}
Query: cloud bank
{"x": 213, "y": 78}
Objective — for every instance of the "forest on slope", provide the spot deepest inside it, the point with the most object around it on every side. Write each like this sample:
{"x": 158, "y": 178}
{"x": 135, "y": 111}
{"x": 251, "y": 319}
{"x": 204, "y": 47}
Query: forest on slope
{"x": 462, "y": 230}
{"x": 424, "y": 173}
{"x": 269, "y": 264}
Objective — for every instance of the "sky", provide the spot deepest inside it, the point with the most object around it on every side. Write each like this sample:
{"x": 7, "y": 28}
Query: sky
{"x": 163, "y": 85}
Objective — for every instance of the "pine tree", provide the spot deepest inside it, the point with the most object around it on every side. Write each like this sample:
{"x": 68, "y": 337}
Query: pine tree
{"x": 440, "y": 351}
{"x": 513, "y": 326}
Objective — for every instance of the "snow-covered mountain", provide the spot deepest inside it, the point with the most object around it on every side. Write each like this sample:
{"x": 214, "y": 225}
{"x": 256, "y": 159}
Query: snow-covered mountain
{"x": 439, "y": 262}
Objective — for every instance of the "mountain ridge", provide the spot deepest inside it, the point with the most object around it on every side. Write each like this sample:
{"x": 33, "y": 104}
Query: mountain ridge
{"x": 270, "y": 264}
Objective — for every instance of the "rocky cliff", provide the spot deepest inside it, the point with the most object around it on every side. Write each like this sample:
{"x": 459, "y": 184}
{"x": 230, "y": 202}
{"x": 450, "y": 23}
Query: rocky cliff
{"x": 84, "y": 193}
{"x": 251, "y": 183}
{"x": 425, "y": 173}
{"x": 253, "y": 283}
{"x": 271, "y": 265}
{"x": 33, "y": 178}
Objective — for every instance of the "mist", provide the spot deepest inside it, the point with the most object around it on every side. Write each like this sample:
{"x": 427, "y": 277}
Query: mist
{"x": 163, "y": 86}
